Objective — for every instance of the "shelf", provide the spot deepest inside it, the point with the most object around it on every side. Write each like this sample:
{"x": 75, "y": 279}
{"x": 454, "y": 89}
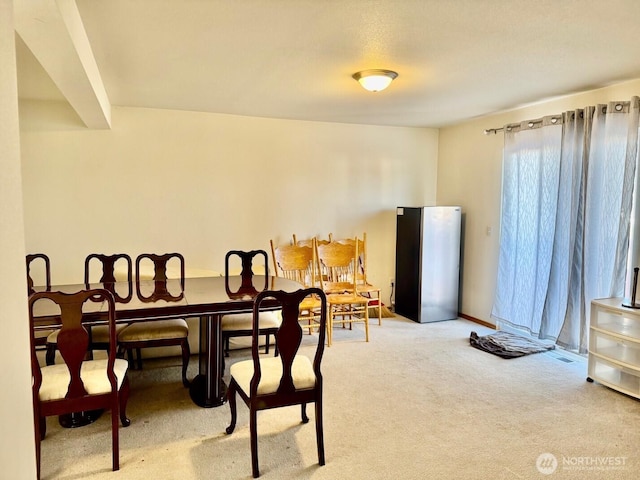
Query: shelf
{"x": 624, "y": 325}
{"x": 614, "y": 376}
{"x": 614, "y": 346}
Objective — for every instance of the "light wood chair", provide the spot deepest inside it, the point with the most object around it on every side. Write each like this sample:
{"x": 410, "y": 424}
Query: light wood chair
{"x": 363, "y": 287}
{"x": 270, "y": 382}
{"x": 338, "y": 263}
{"x": 298, "y": 263}
{"x": 78, "y": 384}
{"x": 157, "y": 333}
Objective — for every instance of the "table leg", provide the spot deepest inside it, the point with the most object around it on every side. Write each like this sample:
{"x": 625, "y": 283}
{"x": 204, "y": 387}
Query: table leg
{"x": 208, "y": 389}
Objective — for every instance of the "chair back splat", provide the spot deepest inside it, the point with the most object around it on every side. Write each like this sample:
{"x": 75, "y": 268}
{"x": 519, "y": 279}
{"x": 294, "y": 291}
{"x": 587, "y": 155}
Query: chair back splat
{"x": 291, "y": 379}
{"x": 248, "y": 267}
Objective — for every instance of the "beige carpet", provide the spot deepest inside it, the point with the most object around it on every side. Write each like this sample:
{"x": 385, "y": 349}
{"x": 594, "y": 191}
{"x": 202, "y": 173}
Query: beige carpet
{"x": 416, "y": 402}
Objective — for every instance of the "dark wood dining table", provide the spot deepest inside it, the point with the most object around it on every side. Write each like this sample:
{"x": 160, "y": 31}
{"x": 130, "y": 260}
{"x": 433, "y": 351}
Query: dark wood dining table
{"x": 206, "y": 298}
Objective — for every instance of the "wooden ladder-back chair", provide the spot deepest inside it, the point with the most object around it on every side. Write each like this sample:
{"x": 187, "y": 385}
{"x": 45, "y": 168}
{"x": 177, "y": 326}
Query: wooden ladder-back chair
{"x": 298, "y": 263}
{"x": 157, "y": 333}
{"x": 77, "y": 384}
{"x": 42, "y": 272}
{"x": 240, "y": 324}
{"x": 291, "y": 379}
{"x": 363, "y": 287}
{"x": 99, "y": 334}
{"x": 338, "y": 263}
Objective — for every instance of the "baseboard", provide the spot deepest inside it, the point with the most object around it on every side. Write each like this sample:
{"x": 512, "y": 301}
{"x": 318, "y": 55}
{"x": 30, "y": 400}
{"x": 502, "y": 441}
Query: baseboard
{"x": 476, "y": 320}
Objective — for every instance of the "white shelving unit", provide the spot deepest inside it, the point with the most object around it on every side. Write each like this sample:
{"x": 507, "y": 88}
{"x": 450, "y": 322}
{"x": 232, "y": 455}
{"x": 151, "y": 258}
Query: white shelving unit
{"x": 614, "y": 346}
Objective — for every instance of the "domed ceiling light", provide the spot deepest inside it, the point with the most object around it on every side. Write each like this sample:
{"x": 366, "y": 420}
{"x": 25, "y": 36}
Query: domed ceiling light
{"x": 375, "y": 80}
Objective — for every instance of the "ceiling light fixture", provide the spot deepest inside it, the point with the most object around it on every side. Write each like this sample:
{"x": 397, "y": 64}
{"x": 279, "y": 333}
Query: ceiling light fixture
{"x": 375, "y": 80}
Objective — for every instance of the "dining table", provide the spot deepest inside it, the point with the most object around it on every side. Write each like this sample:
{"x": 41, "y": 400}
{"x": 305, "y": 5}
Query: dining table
{"x": 206, "y": 298}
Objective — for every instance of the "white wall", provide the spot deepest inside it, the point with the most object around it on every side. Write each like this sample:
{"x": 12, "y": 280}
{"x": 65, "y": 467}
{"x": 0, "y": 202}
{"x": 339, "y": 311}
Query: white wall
{"x": 17, "y": 447}
{"x": 470, "y": 174}
{"x": 203, "y": 184}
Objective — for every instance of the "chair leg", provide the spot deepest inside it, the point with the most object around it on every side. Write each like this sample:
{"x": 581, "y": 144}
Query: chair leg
{"x": 366, "y": 322}
{"x": 50, "y": 356}
{"x": 38, "y": 438}
{"x": 303, "y": 408}
{"x": 123, "y": 397}
{"x": 139, "y": 355}
{"x": 231, "y": 398}
{"x": 253, "y": 429}
{"x": 43, "y": 427}
{"x": 319, "y": 431}
{"x": 115, "y": 441}
{"x": 131, "y": 359}
{"x": 267, "y": 337}
{"x": 186, "y": 353}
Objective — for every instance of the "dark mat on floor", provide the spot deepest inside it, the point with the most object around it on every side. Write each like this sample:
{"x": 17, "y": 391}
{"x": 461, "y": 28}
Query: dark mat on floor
{"x": 508, "y": 345}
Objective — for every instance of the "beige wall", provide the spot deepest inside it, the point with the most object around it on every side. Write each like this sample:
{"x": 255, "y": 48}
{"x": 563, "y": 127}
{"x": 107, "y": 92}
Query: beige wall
{"x": 469, "y": 174}
{"x": 17, "y": 453}
{"x": 203, "y": 184}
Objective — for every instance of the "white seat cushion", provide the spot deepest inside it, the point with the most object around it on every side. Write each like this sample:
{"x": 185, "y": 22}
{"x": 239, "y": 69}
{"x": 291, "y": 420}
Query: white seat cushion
{"x": 271, "y": 368}
{"x": 56, "y": 378}
{"x": 156, "y": 330}
{"x": 244, "y": 321}
{"x": 99, "y": 334}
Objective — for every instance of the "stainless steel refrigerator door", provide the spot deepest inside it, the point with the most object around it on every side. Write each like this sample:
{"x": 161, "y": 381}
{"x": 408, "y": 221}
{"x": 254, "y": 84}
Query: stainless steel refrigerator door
{"x": 440, "y": 267}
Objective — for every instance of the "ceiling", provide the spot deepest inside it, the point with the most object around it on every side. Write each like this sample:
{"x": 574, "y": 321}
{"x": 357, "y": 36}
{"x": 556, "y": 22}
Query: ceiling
{"x": 293, "y": 59}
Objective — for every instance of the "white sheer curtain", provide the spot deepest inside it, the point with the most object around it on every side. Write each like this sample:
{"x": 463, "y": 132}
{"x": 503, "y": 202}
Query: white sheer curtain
{"x": 566, "y": 208}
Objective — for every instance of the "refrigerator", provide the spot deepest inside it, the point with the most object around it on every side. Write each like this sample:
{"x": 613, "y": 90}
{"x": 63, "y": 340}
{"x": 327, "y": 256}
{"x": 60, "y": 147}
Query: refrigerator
{"x": 427, "y": 274}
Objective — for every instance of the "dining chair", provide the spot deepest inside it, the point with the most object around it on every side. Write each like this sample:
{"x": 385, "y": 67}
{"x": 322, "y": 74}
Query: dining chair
{"x": 45, "y": 271}
{"x": 298, "y": 263}
{"x": 157, "y": 333}
{"x": 110, "y": 266}
{"x": 338, "y": 262}
{"x": 240, "y": 324}
{"x": 291, "y": 379}
{"x": 362, "y": 285}
{"x": 42, "y": 271}
{"x": 77, "y": 384}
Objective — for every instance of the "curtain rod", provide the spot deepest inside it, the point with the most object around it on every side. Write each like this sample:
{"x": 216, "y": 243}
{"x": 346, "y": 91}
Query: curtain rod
{"x": 618, "y": 107}
{"x": 530, "y": 124}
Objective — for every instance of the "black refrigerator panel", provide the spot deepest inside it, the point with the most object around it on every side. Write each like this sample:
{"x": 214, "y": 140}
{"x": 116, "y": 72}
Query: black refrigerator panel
{"x": 407, "y": 278}
{"x": 428, "y": 262}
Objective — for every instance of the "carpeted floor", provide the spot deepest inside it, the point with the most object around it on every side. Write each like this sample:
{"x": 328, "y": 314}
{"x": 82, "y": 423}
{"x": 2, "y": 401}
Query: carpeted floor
{"x": 416, "y": 402}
